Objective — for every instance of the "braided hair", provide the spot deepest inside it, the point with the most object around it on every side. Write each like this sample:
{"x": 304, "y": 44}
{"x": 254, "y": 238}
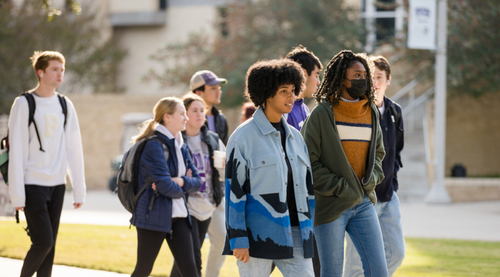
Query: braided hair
{"x": 331, "y": 85}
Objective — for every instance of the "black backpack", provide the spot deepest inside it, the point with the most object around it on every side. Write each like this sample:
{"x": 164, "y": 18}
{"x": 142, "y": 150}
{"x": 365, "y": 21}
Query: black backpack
{"x": 4, "y": 144}
{"x": 127, "y": 179}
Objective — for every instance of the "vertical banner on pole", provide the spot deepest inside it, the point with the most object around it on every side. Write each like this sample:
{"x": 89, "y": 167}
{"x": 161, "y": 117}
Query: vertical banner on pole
{"x": 422, "y": 24}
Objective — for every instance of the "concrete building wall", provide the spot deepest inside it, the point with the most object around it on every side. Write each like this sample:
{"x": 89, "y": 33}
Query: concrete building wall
{"x": 473, "y": 134}
{"x": 101, "y": 128}
{"x": 143, "y": 41}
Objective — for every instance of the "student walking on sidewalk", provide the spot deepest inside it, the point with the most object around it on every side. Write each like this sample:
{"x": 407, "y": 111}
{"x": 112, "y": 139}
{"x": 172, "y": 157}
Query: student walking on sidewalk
{"x": 41, "y": 154}
{"x": 207, "y": 85}
{"x": 201, "y": 144}
{"x": 269, "y": 194}
{"x": 161, "y": 212}
{"x": 346, "y": 150}
{"x": 387, "y": 207}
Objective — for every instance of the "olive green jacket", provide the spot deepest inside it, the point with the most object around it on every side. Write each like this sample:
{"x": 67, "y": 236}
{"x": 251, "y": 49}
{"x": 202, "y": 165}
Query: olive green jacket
{"x": 336, "y": 187}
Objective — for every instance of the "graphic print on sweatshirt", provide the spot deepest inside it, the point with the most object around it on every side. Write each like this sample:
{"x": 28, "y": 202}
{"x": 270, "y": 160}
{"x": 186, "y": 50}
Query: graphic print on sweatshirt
{"x": 51, "y": 124}
{"x": 202, "y": 163}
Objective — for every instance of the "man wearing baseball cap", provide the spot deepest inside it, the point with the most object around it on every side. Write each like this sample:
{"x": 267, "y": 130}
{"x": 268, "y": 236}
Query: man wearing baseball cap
{"x": 207, "y": 85}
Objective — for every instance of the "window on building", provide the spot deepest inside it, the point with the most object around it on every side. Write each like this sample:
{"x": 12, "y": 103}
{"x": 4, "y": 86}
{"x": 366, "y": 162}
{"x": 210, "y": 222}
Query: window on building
{"x": 163, "y": 5}
{"x": 383, "y": 19}
{"x": 222, "y": 10}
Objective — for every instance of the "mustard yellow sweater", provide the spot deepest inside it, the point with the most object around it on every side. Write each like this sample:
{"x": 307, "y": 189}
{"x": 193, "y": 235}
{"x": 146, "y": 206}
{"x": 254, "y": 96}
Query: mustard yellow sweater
{"x": 354, "y": 124}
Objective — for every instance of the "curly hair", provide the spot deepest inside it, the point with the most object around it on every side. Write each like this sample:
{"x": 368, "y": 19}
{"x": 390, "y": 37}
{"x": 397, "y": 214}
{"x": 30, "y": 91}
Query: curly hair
{"x": 264, "y": 78}
{"x": 331, "y": 86}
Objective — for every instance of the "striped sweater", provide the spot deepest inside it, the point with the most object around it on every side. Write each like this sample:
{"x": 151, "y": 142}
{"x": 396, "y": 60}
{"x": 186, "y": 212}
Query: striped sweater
{"x": 354, "y": 124}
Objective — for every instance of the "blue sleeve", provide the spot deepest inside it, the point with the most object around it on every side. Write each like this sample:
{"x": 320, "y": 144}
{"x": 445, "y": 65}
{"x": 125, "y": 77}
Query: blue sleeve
{"x": 236, "y": 197}
{"x": 193, "y": 183}
{"x": 154, "y": 162}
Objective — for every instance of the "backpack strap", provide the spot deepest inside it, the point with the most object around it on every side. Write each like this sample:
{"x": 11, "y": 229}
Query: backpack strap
{"x": 165, "y": 149}
{"x": 64, "y": 106}
{"x": 396, "y": 115}
{"x": 31, "y": 115}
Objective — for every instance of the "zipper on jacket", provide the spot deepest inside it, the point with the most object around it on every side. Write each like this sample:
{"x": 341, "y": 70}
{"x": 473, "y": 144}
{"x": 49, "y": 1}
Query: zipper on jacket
{"x": 155, "y": 195}
{"x": 374, "y": 149}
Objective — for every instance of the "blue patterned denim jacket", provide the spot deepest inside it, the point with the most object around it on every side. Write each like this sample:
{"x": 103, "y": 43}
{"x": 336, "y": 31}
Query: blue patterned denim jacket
{"x": 256, "y": 190}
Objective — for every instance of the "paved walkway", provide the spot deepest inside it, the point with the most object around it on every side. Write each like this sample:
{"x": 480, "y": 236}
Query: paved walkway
{"x": 468, "y": 221}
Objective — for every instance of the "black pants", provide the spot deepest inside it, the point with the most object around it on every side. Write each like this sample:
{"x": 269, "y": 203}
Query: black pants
{"x": 43, "y": 213}
{"x": 199, "y": 231}
{"x": 180, "y": 242}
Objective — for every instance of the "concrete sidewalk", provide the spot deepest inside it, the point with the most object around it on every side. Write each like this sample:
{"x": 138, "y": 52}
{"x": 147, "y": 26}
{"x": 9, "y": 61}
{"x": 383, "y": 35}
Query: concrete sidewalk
{"x": 467, "y": 221}
{"x": 12, "y": 268}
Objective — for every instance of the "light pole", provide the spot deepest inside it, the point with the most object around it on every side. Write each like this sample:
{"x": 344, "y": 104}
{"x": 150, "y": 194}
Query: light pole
{"x": 438, "y": 193}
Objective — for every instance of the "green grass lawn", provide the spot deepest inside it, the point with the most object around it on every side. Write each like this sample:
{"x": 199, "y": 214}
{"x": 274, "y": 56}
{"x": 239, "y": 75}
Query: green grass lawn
{"x": 113, "y": 248}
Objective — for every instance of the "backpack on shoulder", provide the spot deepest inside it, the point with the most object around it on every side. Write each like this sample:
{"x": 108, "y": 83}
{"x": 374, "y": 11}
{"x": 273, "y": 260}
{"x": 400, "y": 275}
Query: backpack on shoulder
{"x": 4, "y": 143}
{"x": 127, "y": 180}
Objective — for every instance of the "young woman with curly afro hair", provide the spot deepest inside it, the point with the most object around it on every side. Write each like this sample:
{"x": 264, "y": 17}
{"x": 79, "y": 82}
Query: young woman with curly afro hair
{"x": 269, "y": 193}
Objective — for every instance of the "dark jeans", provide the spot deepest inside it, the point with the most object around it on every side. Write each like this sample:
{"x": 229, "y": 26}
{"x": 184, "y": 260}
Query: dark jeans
{"x": 199, "y": 231}
{"x": 180, "y": 242}
{"x": 43, "y": 213}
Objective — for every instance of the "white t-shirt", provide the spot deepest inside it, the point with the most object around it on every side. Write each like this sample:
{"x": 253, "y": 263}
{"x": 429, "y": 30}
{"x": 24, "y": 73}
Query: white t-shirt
{"x": 382, "y": 109}
{"x": 201, "y": 204}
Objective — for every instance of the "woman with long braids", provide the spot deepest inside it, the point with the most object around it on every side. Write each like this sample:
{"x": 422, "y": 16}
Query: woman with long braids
{"x": 345, "y": 146}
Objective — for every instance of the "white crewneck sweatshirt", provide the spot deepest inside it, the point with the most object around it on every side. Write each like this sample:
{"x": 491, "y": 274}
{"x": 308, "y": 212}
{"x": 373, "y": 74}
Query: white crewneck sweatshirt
{"x": 63, "y": 148}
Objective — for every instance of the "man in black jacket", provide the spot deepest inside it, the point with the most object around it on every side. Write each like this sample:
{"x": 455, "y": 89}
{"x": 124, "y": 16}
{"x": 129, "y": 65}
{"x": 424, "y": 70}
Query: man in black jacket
{"x": 387, "y": 207}
{"x": 207, "y": 85}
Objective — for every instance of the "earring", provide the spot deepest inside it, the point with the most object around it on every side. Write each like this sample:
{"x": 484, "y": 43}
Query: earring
{"x": 41, "y": 75}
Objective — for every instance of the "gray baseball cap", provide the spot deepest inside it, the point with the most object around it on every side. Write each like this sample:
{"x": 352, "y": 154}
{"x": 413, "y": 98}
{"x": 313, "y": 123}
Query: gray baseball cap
{"x": 205, "y": 77}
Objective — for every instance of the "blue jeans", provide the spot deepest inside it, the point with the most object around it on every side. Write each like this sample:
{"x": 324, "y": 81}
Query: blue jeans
{"x": 389, "y": 217}
{"x": 362, "y": 225}
{"x": 297, "y": 266}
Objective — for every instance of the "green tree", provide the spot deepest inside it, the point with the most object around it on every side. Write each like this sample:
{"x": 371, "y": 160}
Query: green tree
{"x": 91, "y": 60}
{"x": 254, "y": 30}
{"x": 472, "y": 48}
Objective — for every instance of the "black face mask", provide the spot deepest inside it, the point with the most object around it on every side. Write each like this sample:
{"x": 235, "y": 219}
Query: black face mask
{"x": 358, "y": 88}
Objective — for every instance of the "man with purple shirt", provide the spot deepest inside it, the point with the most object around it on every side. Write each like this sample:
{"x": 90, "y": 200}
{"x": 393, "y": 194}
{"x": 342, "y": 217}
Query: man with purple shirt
{"x": 206, "y": 84}
{"x": 311, "y": 66}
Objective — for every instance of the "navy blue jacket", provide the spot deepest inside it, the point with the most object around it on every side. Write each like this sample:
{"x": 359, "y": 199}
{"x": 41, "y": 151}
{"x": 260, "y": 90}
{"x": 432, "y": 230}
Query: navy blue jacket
{"x": 393, "y": 133}
{"x": 154, "y": 167}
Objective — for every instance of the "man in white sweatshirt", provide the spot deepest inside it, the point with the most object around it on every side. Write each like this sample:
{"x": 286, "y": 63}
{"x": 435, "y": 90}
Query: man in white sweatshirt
{"x": 38, "y": 165}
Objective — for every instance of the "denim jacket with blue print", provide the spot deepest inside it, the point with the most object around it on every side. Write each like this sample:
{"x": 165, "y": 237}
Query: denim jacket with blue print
{"x": 257, "y": 214}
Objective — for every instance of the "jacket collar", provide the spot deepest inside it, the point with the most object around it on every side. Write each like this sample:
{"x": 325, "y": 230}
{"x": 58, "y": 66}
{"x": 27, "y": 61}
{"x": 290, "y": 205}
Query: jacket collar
{"x": 388, "y": 102}
{"x": 203, "y": 133}
{"x": 265, "y": 126}
{"x": 164, "y": 131}
{"x": 215, "y": 112}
